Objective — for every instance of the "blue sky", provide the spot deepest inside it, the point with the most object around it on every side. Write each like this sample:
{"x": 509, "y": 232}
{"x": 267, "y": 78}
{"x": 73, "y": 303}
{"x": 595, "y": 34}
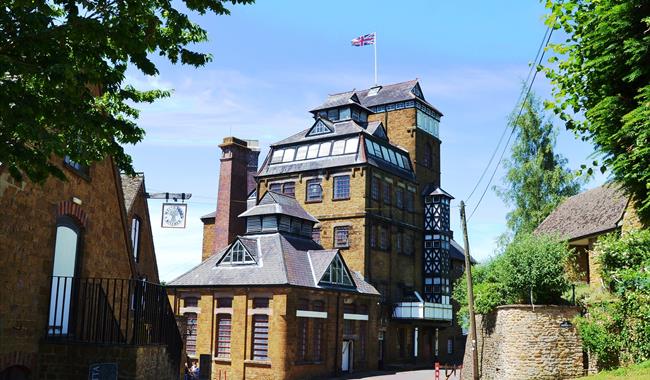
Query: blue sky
{"x": 275, "y": 60}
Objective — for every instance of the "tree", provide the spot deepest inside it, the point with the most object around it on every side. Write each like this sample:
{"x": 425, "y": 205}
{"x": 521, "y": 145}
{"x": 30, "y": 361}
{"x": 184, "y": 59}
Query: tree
{"x": 62, "y": 75}
{"x": 537, "y": 178}
{"x": 601, "y": 84}
{"x": 532, "y": 269}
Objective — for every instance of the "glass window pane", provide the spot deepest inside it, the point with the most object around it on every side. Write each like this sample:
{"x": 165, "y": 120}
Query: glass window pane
{"x": 288, "y": 155}
{"x": 351, "y": 145}
{"x": 313, "y": 151}
{"x": 344, "y": 113}
{"x": 277, "y": 156}
{"x": 324, "y": 149}
{"x": 370, "y": 148}
{"x": 338, "y": 147}
{"x": 301, "y": 153}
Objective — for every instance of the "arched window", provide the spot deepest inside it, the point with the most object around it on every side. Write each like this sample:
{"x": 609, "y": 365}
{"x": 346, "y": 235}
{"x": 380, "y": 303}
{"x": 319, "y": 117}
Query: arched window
{"x": 135, "y": 238}
{"x": 65, "y": 268}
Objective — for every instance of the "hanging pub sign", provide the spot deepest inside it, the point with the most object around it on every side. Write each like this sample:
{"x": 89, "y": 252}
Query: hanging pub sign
{"x": 174, "y": 215}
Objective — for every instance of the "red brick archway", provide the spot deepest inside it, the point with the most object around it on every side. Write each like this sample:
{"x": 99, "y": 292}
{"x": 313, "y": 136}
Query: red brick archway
{"x": 73, "y": 210}
{"x": 25, "y": 360}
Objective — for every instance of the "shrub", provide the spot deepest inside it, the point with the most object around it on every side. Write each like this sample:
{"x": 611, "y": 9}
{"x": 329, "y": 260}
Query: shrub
{"x": 618, "y": 330}
{"x": 531, "y": 267}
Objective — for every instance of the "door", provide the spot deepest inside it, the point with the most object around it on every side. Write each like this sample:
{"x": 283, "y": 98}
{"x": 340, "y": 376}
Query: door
{"x": 63, "y": 273}
{"x": 347, "y": 355}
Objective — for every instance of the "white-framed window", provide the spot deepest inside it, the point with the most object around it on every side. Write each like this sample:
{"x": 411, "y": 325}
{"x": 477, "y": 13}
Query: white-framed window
{"x": 277, "y": 156}
{"x": 135, "y": 238}
{"x": 314, "y": 190}
{"x": 342, "y": 187}
{"x": 336, "y": 273}
{"x": 238, "y": 255}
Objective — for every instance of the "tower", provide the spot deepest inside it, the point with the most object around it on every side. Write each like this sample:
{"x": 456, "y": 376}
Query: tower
{"x": 437, "y": 238}
{"x": 236, "y": 176}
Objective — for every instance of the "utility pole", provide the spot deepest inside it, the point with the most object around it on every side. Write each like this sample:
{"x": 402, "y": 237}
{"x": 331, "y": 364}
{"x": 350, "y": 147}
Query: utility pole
{"x": 470, "y": 294}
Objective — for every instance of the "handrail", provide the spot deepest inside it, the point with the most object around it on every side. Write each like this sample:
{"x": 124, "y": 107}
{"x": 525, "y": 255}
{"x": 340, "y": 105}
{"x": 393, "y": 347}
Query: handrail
{"x": 112, "y": 311}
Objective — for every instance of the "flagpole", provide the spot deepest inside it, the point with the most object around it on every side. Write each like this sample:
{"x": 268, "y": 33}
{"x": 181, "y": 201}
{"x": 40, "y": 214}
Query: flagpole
{"x": 375, "y": 46}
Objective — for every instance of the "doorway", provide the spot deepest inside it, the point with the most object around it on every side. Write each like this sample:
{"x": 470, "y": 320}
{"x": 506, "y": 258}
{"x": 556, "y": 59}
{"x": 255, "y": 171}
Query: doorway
{"x": 347, "y": 356}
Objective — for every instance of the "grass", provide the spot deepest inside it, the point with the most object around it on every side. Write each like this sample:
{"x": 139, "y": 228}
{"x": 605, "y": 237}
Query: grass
{"x": 639, "y": 371}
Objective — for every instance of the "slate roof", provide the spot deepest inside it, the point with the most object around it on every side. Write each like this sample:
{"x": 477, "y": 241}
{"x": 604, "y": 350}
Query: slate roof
{"x": 593, "y": 212}
{"x": 276, "y": 203}
{"x": 348, "y": 128}
{"x": 456, "y": 252}
{"x": 340, "y": 128}
{"x": 391, "y": 93}
{"x": 130, "y": 187}
{"x": 282, "y": 259}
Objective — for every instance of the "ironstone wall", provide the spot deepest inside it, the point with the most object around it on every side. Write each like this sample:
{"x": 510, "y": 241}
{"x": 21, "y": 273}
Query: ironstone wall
{"x": 518, "y": 342}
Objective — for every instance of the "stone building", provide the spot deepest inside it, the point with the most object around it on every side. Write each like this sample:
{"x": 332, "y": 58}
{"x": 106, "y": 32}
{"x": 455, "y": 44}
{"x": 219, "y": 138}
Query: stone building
{"x": 274, "y": 304}
{"x": 74, "y": 258}
{"x": 582, "y": 218}
{"x": 368, "y": 169}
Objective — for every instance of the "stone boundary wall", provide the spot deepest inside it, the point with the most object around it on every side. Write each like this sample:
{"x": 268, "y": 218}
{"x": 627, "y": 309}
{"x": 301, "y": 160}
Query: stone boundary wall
{"x": 520, "y": 342}
{"x": 60, "y": 361}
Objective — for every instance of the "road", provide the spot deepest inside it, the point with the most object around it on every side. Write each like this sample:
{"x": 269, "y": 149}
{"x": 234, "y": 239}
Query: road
{"x": 427, "y": 374}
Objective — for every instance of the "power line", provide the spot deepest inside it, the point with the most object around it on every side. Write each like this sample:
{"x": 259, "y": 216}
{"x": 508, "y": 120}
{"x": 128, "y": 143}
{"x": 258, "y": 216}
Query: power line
{"x": 542, "y": 44}
{"x": 523, "y": 102}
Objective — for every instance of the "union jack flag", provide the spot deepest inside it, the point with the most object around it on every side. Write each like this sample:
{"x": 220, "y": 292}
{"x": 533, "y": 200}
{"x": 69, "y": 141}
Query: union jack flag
{"x": 368, "y": 39}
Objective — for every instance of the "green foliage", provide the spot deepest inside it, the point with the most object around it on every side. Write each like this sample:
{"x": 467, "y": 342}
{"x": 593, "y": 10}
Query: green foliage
{"x": 618, "y": 330}
{"x": 530, "y": 267}
{"x": 601, "y": 80}
{"x": 57, "y": 55}
{"x": 634, "y": 372}
{"x": 537, "y": 179}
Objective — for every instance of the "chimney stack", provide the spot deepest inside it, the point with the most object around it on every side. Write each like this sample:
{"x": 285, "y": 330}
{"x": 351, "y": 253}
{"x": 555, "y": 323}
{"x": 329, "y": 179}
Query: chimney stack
{"x": 236, "y": 180}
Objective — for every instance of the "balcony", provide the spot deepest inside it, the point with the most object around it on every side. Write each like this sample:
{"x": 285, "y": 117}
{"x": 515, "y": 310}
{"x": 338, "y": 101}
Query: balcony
{"x": 423, "y": 311}
{"x": 112, "y": 312}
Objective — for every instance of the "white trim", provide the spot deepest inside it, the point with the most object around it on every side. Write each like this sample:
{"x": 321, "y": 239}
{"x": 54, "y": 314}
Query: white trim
{"x": 262, "y": 311}
{"x": 190, "y": 309}
{"x": 355, "y": 317}
{"x": 223, "y": 310}
{"x": 311, "y": 314}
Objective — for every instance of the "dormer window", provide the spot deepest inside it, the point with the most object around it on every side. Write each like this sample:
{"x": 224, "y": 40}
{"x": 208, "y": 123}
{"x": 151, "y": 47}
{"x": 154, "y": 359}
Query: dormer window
{"x": 336, "y": 274}
{"x": 374, "y": 91}
{"x": 320, "y": 128}
{"x": 238, "y": 255}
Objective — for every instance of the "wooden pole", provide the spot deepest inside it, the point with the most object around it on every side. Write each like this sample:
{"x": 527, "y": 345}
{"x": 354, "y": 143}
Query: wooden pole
{"x": 470, "y": 294}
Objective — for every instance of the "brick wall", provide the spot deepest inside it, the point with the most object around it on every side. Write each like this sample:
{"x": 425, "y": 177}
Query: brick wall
{"x": 232, "y": 194}
{"x": 146, "y": 265}
{"x": 72, "y": 361}
{"x": 27, "y": 251}
{"x": 284, "y": 362}
{"x": 516, "y": 342}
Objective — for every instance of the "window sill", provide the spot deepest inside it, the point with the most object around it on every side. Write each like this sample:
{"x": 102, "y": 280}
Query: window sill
{"x": 221, "y": 360}
{"x": 340, "y": 199}
{"x": 315, "y": 201}
{"x": 265, "y": 363}
{"x": 342, "y": 247}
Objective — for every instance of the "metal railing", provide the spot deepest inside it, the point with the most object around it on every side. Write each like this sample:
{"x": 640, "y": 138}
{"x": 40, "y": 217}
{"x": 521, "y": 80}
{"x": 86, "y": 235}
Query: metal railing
{"x": 112, "y": 311}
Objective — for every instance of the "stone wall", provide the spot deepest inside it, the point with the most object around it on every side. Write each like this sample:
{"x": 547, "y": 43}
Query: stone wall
{"x": 72, "y": 361}
{"x": 518, "y": 342}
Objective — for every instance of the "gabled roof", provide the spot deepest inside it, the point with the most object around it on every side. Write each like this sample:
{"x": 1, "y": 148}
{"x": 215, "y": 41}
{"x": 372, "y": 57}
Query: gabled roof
{"x": 589, "y": 213}
{"x": 340, "y": 100}
{"x": 340, "y": 128}
{"x": 282, "y": 260}
{"x": 390, "y": 93}
{"x": 276, "y": 203}
{"x": 431, "y": 189}
{"x": 130, "y": 187}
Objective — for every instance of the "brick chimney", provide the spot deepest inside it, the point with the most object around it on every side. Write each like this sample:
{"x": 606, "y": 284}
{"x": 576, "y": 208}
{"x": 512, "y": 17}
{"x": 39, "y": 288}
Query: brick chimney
{"x": 236, "y": 179}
